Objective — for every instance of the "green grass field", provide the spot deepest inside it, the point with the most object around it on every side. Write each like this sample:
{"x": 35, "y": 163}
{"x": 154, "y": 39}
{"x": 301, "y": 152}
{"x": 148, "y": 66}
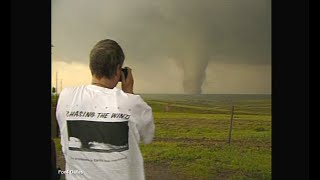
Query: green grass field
{"x": 191, "y": 137}
{"x": 192, "y": 134}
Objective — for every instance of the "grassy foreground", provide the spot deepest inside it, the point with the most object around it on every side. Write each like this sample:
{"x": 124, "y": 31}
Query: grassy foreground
{"x": 192, "y": 133}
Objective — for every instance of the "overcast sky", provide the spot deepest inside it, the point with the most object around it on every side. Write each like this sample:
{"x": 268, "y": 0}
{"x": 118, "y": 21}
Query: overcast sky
{"x": 173, "y": 46}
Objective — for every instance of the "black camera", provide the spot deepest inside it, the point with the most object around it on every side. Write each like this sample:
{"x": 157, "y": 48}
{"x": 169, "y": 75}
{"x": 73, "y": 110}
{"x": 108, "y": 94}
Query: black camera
{"x": 125, "y": 71}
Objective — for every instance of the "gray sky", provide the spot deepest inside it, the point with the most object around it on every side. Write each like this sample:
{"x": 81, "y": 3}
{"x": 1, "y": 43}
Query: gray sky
{"x": 173, "y": 46}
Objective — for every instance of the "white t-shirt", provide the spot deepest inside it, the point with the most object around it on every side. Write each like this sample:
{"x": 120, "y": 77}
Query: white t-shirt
{"x": 100, "y": 133}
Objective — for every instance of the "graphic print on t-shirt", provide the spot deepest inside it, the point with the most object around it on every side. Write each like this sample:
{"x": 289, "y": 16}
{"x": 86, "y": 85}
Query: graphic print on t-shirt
{"x": 96, "y": 136}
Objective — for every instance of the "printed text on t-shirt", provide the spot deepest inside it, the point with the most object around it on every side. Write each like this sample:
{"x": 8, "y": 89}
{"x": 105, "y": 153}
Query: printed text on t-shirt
{"x": 97, "y": 115}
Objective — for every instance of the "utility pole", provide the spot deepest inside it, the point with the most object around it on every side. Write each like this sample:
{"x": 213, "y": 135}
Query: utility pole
{"x": 56, "y": 123}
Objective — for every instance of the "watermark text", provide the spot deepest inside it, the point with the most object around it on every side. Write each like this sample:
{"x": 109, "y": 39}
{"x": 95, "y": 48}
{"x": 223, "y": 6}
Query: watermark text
{"x": 70, "y": 172}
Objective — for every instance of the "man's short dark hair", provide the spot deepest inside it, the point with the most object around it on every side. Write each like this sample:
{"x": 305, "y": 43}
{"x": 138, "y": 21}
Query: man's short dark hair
{"x": 105, "y": 56}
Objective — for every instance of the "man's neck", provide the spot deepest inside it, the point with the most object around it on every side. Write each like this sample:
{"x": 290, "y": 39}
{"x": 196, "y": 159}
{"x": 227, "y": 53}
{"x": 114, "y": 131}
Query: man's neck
{"x": 104, "y": 82}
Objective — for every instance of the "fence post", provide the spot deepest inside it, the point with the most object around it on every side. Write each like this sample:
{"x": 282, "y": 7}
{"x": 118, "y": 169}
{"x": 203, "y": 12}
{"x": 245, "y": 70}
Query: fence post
{"x": 231, "y": 122}
{"x": 167, "y": 107}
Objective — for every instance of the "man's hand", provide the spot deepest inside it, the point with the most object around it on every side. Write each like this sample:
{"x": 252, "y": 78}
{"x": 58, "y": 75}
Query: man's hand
{"x": 127, "y": 83}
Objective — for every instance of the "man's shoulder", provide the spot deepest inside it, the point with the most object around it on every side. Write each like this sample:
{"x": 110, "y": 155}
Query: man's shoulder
{"x": 73, "y": 88}
{"x": 70, "y": 90}
{"x": 139, "y": 102}
{"x": 133, "y": 99}
{"x": 134, "y": 96}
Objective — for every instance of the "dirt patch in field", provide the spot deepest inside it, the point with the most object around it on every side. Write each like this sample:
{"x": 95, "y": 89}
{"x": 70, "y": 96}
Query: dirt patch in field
{"x": 157, "y": 171}
{"x": 224, "y": 175}
{"x": 60, "y": 162}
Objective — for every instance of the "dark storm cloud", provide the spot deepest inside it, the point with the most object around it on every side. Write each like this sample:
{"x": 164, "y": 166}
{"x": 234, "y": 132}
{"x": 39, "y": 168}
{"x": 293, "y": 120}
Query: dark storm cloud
{"x": 190, "y": 32}
{"x": 235, "y": 28}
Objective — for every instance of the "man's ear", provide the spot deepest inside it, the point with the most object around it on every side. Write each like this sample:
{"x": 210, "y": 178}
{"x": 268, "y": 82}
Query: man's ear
{"x": 119, "y": 70}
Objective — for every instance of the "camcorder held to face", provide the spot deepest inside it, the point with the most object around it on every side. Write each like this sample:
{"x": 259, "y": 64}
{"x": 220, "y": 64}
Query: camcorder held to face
{"x": 125, "y": 71}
